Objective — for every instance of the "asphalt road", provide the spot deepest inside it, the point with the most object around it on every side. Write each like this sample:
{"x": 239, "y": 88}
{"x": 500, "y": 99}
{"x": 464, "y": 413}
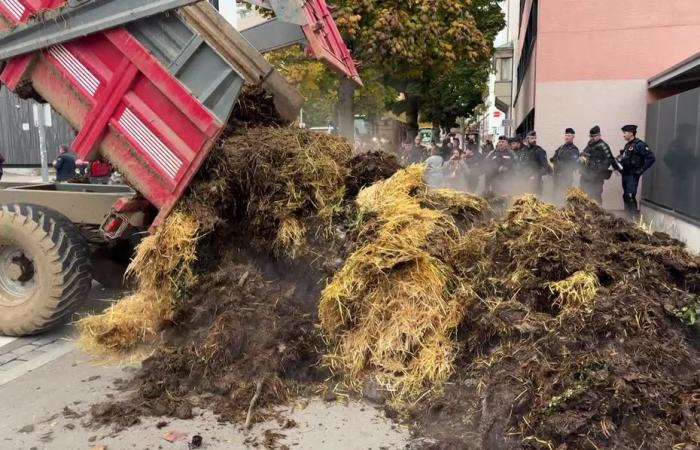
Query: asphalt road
{"x": 47, "y": 387}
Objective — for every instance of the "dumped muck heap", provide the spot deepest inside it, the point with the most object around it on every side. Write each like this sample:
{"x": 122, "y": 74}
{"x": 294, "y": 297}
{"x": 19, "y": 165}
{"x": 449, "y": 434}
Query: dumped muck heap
{"x": 292, "y": 268}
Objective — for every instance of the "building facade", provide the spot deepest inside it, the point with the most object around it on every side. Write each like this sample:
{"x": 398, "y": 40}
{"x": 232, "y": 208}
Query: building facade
{"x": 671, "y": 190}
{"x": 497, "y": 118}
{"x": 585, "y": 63}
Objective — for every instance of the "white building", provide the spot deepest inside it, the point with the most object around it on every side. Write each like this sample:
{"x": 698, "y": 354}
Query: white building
{"x": 498, "y": 117}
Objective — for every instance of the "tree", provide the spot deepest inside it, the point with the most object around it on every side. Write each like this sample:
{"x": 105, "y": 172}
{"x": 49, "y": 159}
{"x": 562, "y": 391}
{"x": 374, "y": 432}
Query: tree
{"x": 419, "y": 42}
{"x": 449, "y": 95}
{"x": 437, "y": 53}
{"x": 319, "y": 86}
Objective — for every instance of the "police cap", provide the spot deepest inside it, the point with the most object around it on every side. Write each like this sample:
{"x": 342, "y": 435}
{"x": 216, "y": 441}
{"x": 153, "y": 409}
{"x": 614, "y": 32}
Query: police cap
{"x": 532, "y": 133}
{"x": 595, "y": 130}
{"x": 630, "y": 128}
{"x": 570, "y": 131}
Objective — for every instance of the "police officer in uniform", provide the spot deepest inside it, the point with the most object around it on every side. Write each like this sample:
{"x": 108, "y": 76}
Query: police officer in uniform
{"x": 499, "y": 164}
{"x": 533, "y": 165}
{"x": 473, "y": 158}
{"x": 595, "y": 162}
{"x": 516, "y": 144}
{"x": 635, "y": 159}
{"x": 565, "y": 162}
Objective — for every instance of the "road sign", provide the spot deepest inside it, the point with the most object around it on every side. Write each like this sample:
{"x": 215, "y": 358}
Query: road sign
{"x": 45, "y": 111}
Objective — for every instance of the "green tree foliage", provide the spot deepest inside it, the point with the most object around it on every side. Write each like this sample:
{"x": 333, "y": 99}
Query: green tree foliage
{"x": 436, "y": 52}
{"x": 319, "y": 86}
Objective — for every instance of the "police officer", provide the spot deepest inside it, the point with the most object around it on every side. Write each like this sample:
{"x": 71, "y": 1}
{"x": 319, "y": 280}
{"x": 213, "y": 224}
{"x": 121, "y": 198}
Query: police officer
{"x": 595, "y": 162}
{"x": 516, "y": 144}
{"x": 533, "y": 165}
{"x": 565, "y": 161}
{"x": 635, "y": 159}
{"x": 499, "y": 164}
{"x": 473, "y": 158}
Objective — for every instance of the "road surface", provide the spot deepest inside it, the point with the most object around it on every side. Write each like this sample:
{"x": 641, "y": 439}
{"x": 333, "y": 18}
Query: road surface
{"x": 47, "y": 387}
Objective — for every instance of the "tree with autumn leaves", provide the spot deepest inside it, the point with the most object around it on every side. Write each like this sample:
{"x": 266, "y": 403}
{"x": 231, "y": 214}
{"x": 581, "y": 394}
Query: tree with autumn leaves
{"x": 435, "y": 53}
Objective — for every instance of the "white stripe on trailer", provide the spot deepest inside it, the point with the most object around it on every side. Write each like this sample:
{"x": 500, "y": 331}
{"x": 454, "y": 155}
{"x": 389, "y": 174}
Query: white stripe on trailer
{"x": 165, "y": 158}
{"x": 155, "y": 148}
{"x": 81, "y": 73}
{"x": 76, "y": 68}
{"x": 16, "y": 8}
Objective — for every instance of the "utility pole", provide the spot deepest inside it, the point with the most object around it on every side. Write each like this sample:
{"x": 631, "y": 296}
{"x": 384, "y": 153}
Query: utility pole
{"x": 42, "y": 119}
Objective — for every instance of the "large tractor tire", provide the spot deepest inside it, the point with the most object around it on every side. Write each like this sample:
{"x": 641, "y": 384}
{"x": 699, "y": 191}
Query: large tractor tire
{"x": 45, "y": 269}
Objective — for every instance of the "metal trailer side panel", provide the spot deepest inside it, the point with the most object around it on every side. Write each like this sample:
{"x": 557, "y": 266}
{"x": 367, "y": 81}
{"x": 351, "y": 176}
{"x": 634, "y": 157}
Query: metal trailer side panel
{"x": 82, "y": 204}
{"x": 153, "y": 100}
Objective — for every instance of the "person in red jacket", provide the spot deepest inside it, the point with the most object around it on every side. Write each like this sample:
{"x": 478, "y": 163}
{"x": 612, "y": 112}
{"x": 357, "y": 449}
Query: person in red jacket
{"x": 100, "y": 171}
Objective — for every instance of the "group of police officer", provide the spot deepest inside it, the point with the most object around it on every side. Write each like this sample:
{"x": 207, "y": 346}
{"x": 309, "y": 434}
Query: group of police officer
{"x": 518, "y": 166}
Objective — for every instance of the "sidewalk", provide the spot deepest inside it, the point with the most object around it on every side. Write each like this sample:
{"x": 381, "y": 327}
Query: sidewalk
{"x": 28, "y": 176}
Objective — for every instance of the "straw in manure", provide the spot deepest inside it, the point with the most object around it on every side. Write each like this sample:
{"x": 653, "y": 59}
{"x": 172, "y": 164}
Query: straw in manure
{"x": 391, "y": 310}
{"x": 163, "y": 270}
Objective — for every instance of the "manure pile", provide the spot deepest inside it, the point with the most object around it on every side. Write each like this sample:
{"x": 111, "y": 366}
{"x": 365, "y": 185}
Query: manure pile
{"x": 293, "y": 268}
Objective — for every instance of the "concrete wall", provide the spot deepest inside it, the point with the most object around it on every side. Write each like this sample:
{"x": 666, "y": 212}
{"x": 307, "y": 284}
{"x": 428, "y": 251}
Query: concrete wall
{"x": 584, "y": 104}
{"x": 672, "y": 224}
{"x": 614, "y": 40}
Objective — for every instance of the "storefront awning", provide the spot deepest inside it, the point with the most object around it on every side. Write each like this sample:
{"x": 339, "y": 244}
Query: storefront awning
{"x": 682, "y": 75}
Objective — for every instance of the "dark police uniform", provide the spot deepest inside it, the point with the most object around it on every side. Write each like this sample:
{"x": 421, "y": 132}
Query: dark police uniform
{"x": 636, "y": 158}
{"x": 595, "y": 162}
{"x": 498, "y": 165}
{"x": 65, "y": 167}
{"x": 565, "y": 161}
{"x": 533, "y": 164}
{"x": 474, "y": 163}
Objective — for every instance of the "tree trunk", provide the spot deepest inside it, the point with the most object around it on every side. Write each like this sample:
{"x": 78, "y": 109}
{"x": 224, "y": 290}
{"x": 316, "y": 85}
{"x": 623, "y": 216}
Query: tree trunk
{"x": 345, "y": 109}
{"x": 412, "y": 107}
{"x": 436, "y": 132}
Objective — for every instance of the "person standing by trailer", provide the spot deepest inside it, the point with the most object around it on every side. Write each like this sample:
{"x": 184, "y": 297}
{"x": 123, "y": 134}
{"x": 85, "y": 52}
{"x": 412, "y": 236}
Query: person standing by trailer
{"x": 64, "y": 164}
{"x": 635, "y": 159}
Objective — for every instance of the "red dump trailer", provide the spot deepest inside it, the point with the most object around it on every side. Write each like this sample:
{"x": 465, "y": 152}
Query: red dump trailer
{"x": 149, "y": 86}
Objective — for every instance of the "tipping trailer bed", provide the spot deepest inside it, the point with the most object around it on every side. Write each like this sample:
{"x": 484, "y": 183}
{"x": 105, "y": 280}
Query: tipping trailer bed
{"x": 149, "y": 85}
{"x": 151, "y": 96}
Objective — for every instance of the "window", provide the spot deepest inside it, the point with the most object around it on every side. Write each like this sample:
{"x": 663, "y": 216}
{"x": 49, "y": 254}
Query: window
{"x": 504, "y": 69}
{"x": 528, "y": 44}
{"x": 527, "y": 125}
